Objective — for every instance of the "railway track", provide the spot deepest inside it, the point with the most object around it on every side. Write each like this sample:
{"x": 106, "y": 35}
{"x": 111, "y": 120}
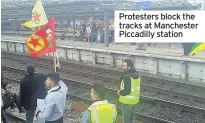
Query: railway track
{"x": 99, "y": 71}
{"x": 14, "y": 118}
{"x": 177, "y": 92}
{"x": 148, "y": 106}
{"x": 79, "y": 97}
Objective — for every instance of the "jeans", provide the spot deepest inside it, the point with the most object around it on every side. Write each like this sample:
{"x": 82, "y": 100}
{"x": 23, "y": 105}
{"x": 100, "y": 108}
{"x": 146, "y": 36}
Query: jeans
{"x": 128, "y": 113}
{"x": 29, "y": 116}
{"x": 60, "y": 120}
{"x": 41, "y": 106}
{"x": 40, "y": 120}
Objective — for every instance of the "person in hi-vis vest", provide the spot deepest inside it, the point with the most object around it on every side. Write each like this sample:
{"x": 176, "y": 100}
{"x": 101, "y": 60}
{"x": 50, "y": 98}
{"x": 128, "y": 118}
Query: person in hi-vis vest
{"x": 129, "y": 92}
{"x": 100, "y": 111}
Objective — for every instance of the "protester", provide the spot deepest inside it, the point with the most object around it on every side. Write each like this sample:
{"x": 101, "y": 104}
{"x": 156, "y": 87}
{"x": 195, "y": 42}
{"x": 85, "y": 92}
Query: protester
{"x": 88, "y": 31}
{"x": 10, "y": 99}
{"x": 3, "y": 116}
{"x": 84, "y": 28}
{"x": 129, "y": 92}
{"x": 94, "y": 33}
{"x": 3, "y": 83}
{"x": 140, "y": 46}
{"x": 100, "y": 111}
{"x": 54, "y": 100}
{"x": 28, "y": 98}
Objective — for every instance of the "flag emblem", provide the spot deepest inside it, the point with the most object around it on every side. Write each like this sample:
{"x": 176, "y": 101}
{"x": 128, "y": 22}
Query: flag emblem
{"x": 36, "y": 17}
{"x": 35, "y": 43}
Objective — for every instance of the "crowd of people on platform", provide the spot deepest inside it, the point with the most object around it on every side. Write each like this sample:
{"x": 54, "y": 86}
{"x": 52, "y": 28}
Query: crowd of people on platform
{"x": 92, "y": 32}
{"x": 44, "y": 96}
{"x": 95, "y": 33}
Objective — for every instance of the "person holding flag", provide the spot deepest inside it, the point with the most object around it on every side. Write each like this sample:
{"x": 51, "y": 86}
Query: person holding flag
{"x": 40, "y": 43}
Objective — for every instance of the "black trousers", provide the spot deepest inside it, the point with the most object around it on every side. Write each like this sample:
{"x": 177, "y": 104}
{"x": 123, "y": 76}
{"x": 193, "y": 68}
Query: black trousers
{"x": 60, "y": 120}
{"x": 11, "y": 102}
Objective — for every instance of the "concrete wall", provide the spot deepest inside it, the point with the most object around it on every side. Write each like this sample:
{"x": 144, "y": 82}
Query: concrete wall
{"x": 181, "y": 69}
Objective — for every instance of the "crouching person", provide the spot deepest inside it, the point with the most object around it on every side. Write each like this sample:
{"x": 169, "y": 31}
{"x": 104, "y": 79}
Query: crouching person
{"x": 10, "y": 99}
{"x": 100, "y": 111}
{"x": 54, "y": 101}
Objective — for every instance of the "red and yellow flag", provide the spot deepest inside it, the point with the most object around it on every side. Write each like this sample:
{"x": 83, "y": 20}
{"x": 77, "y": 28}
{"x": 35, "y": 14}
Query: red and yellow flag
{"x": 43, "y": 40}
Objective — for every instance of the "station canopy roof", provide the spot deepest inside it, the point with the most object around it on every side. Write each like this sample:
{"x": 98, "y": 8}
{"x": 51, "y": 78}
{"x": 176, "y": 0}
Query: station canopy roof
{"x": 65, "y": 9}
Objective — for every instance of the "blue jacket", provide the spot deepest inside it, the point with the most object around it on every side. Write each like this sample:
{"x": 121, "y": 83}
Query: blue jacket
{"x": 54, "y": 103}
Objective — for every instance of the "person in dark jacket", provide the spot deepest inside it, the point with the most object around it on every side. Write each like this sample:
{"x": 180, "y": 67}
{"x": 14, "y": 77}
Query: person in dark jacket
{"x": 3, "y": 115}
{"x": 10, "y": 99}
{"x": 94, "y": 33}
{"x": 3, "y": 83}
{"x": 41, "y": 93}
{"x": 28, "y": 98}
{"x": 129, "y": 92}
{"x": 84, "y": 28}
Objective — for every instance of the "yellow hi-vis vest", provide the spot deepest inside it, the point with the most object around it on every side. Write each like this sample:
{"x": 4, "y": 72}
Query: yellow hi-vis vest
{"x": 103, "y": 112}
{"x": 134, "y": 96}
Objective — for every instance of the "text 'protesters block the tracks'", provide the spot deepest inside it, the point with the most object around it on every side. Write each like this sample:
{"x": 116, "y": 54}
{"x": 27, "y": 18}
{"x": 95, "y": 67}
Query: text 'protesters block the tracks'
{"x": 159, "y": 26}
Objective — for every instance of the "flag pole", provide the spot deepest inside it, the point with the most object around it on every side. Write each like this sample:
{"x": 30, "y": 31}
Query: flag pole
{"x": 54, "y": 56}
{"x": 54, "y": 53}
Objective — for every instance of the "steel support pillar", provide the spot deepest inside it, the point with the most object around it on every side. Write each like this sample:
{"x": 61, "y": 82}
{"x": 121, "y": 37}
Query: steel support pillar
{"x": 204, "y": 5}
{"x": 106, "y": 28}
{"x": 74, "y": 26}
{"x": 68, "y": 21}
{"x": 14, "y": 24}
{"x": 61, "y": 24}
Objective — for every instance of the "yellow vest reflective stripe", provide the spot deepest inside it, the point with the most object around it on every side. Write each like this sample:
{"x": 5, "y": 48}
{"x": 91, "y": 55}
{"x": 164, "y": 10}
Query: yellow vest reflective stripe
{"x": 133, "y": 97}
{"x": 103, "y": 112}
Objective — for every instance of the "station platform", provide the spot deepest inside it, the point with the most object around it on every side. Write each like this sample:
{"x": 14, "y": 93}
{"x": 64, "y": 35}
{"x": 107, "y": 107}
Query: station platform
{"x": 160, "y": 50}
